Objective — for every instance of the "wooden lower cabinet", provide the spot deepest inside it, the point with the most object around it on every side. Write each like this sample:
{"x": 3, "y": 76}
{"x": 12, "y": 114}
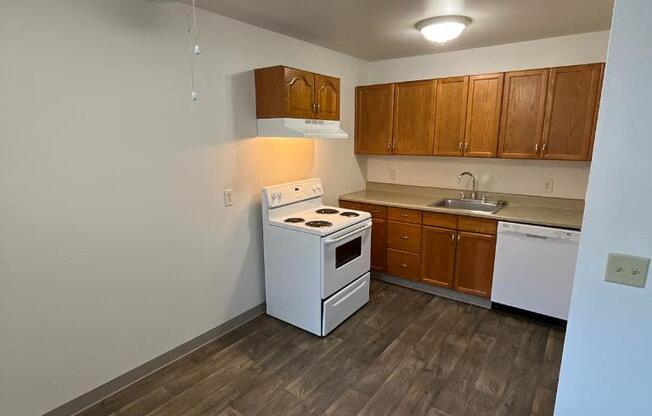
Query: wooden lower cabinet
{"x": 403, "y": 264}
{"x": 438, "y": 256}
{"x": 474, "y": 263}
{"x": 379, "y": 245}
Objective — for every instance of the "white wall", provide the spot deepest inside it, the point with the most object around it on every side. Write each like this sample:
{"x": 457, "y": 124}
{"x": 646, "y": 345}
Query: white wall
{"x": 115, "y": 245}
{"x": 606, "y": 364}
{"x": 570, "y": 178}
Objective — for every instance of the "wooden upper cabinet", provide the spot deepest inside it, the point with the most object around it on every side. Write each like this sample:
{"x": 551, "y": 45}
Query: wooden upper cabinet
{"x": 293, "y": 93}
{"x": 474, "y": 264}
{"x": 374, "y": 114}
{"x": 483, "y": 115}
{"x": 413, "y": 118}
{"x": 573, "y": 95}
{"x": 438, "y": 256}
{"x": 327, "y": 97}
{"x": 523, "y": 110}
{"x": 450, "y": 116}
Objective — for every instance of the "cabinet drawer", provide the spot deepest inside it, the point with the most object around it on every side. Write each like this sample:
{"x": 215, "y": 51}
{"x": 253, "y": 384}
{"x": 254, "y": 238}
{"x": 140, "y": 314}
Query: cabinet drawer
{"x": 406, "y": 237}
{"x": 477, "y": 225}
{"x": 351, "y": 205}
{"x": 435, "y": 219}
{"x": 403, "y": 264}
{"x": 404, "y": 215}
{"x": 376, "y": 211}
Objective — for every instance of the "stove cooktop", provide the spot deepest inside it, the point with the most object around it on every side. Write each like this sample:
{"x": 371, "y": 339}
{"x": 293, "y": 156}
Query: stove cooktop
{"x": 318, "y": 220}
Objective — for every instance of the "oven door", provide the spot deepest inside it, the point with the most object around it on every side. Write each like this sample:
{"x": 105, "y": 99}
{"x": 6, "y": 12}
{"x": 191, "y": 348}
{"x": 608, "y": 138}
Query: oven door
{"x": 346, "y": 255}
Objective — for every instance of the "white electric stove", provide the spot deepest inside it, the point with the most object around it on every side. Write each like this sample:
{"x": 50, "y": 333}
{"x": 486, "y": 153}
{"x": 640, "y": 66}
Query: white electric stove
{"x": 317, "y": 258}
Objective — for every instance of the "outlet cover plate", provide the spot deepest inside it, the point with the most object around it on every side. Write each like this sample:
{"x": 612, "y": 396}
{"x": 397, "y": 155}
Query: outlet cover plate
{"x": 627, "y": 270}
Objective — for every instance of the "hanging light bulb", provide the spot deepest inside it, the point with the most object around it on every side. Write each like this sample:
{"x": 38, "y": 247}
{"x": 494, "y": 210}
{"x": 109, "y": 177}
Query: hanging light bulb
{"x": 196, "y": 50}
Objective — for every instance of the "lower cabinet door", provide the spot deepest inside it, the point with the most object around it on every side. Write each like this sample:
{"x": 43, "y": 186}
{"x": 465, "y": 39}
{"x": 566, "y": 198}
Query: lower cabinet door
{"x": 438, "y": 256}
{"x": 379, "y": 245}
{"x": 474, "y": 265}
{"x": 403, "y": 264}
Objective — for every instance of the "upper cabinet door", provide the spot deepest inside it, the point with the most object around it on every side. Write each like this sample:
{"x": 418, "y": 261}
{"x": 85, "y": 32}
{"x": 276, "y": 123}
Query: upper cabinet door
{"x": 521, "y": 124}
{"x": 483, "y": 115}
{"x": 414, "y": 118}
{"x": 299, "y": 93}
{"x": 327, "y": 97}
{"x": 573, "y": 94}
{"x": 374, "y": 112}
{"x": 450, "y": 116}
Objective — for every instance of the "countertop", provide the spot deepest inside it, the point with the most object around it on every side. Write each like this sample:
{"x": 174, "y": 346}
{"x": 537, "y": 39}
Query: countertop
{"x": 554, "y": 212}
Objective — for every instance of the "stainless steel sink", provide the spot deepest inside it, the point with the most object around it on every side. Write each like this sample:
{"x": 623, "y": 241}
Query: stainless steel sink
{"x": 476, "y": 205}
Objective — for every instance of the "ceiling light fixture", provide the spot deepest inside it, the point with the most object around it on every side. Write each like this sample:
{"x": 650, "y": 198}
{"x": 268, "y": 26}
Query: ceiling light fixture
{"x": 441, "y": 29}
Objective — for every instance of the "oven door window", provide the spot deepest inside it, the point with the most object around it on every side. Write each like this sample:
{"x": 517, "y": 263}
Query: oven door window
{"x": 348, "y": 252}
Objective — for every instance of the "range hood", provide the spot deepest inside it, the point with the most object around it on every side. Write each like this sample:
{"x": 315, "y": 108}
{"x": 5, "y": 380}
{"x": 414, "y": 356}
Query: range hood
{"x": 299, "y": 127}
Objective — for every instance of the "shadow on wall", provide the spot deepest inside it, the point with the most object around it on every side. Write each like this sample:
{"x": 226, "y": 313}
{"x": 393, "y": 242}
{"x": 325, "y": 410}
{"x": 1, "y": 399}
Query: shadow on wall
{"x": 243, "y": 93}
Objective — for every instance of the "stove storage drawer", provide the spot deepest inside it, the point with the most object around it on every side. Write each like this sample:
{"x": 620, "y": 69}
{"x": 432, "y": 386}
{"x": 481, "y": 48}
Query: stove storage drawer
{"x": 344, "y": 303}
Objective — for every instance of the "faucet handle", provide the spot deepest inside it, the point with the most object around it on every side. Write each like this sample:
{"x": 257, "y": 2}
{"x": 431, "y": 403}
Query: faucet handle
{"x": 461, "y": 194}
{"x": 484, "y": 197}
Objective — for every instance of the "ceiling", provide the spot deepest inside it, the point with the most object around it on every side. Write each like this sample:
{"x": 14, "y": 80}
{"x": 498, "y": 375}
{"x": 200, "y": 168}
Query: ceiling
{"x": 381, "y": 29}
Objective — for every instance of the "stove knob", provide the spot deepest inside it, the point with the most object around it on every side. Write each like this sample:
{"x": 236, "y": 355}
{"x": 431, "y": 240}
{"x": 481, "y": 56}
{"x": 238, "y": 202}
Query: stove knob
{"x": 273, "y": 196}
{"x": 278, "y": 196}
{"x": 319, "y": 188}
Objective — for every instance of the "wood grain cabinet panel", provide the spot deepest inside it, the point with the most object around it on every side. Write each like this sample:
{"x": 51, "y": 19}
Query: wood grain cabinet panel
{"x": 474, "y": 263}
{"x": 351, "y": 205}
{"x": 403, "y": 264}
{"x": 523, "y": 110}
{"x": 327, "y": 97}
{"x": 450, "y": 116}
{"x": 573, "y": 94}
{"x": 404, "y": 215}
{"x": 376, "y": 211}
{"x": 477, "y": 225}
{"x": 378, "y": 244}
{"x": 299, "y": 97}
{"x": 438, "y": 256}
{"x": 413, "y": 118}
{"x": 440, "y": 220}
{"x": 374, "y": 115}
{"x": 403, "y": 236}
{"x": 483, "y": 115}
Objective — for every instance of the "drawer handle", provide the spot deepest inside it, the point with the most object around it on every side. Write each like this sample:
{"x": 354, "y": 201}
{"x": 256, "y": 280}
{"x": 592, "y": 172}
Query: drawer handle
{"x": 404, "y": 265}
{"x": 375, "y": 211}
{"x": 404, "y": 237}
{"x": 404, "y": 215}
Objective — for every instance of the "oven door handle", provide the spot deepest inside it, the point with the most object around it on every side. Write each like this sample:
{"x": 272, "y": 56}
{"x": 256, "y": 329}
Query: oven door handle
{"x": 356, "y": 231}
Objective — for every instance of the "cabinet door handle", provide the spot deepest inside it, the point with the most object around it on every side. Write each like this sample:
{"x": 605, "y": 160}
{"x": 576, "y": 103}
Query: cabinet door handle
{"x": 459, "y": 147}
{"x": 394, "y": 146}
{"x": 389, "y": 146}
{"x": 453, "y": 238}
{"x": 543, "y": 149}
{"x": 466, "y": 146}
{"x": 536, "y": 147}
{"x": 459, "y": 238}
{"x": 404, "y": 237}
{"x": 318, "y": 107}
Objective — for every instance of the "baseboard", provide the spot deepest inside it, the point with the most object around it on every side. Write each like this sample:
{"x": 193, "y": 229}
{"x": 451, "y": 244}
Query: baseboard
{"x": 434, "y": 290}
{"x": 528, "y": 314}
{"x": 123, "y": 381}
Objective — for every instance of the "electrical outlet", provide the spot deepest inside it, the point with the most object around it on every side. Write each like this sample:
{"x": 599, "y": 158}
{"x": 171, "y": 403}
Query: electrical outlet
{"x": 627, "y": 270}
{"x": 228, "y": 197}
{"x": 548, "y": 185}
{"x": 392, "y": 174}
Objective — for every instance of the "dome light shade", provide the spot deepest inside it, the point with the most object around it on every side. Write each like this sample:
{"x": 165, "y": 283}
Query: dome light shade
{"x": 441, "y": 29}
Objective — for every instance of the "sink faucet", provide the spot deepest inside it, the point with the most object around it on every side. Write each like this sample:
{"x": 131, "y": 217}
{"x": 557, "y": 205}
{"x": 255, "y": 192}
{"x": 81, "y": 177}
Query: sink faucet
{"x": 459, "y": 179}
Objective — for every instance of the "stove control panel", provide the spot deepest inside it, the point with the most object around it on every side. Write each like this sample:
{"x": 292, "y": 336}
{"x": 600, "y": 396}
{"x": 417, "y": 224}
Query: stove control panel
{"x": 287, "y": 193}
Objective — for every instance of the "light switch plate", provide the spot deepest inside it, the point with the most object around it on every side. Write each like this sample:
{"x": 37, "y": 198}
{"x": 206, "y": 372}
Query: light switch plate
{"x": 627, "y": 270}
{"x": 228, "y": 197}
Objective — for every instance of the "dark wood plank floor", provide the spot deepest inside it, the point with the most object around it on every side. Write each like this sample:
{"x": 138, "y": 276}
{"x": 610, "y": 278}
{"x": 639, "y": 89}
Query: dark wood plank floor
{"x": 405, "y": 353}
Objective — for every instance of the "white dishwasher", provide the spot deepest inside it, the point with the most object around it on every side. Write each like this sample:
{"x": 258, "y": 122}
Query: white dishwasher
{"x": 534, "y": 268}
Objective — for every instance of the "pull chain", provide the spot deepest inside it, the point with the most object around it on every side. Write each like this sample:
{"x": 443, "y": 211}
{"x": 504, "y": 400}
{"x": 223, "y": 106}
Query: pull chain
{"x": 193, "y": 47}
